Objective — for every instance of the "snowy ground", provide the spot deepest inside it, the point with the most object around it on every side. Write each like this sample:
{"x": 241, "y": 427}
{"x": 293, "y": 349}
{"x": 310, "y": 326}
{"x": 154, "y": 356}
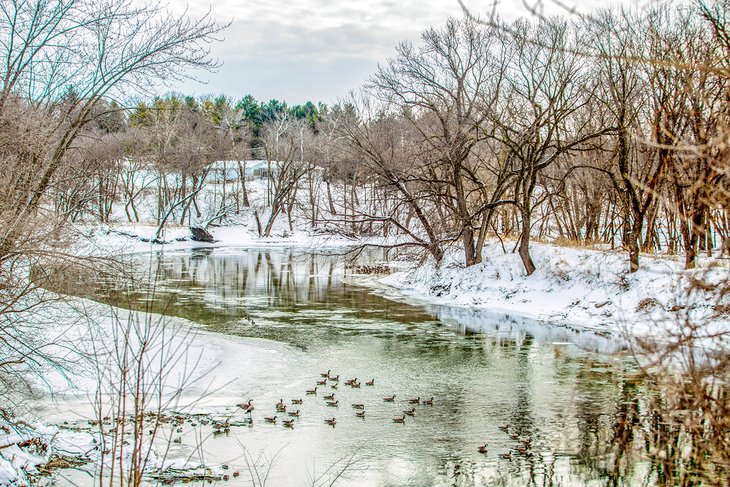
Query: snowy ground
{"x": 127, "y": 238}
{"x": 202, "y": 375}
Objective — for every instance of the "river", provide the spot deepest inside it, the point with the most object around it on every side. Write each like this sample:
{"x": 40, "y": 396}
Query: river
{"x": 557, "y": 392}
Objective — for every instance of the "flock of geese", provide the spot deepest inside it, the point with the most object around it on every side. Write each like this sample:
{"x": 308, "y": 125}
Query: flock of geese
{"x": 333, "y": 382}
{"x": 288, "y": 415}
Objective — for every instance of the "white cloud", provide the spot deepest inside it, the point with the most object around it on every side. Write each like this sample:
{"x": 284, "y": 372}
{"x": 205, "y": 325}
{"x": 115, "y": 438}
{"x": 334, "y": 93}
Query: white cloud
{"x": 298, "y": 50}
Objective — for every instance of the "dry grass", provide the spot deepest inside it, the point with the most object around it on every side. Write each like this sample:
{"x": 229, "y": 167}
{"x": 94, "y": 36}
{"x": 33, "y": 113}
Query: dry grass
{"x": 60, "y": 462}
{"x": 648, "y": 304}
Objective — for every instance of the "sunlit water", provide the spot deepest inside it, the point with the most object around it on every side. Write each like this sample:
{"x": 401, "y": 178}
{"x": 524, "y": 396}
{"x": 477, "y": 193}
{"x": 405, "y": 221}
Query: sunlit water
{"x": 560, "y": 388}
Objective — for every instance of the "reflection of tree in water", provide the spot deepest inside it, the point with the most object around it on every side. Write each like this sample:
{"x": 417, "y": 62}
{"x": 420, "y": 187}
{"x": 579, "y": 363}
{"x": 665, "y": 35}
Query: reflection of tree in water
{"x": 523, "y": 421}
{"x": 256, "y": 292}
{"x": 460, "y": 471}
{"x": 626, "y": 427}
{"x": 596, "y": 406}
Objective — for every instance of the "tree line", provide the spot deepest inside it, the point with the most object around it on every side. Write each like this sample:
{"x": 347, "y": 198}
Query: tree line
{"x": 604, "y": 129}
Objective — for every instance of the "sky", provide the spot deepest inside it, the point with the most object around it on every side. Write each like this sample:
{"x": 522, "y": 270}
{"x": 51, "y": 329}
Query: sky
{"x": 319, "y": 50}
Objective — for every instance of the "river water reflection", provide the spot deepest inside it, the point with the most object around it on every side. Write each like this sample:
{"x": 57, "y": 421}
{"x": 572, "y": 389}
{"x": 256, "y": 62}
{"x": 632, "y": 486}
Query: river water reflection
{"x": 555, "y": 387}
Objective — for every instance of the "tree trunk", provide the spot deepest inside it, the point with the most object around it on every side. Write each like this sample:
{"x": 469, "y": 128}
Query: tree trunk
{"x": 331, "y": 202}
{"x": 272, "y": 218}
{"x": 524, "y": 248}
{"x": 634, "y": 242}
{"x": 242, "y": 177}
{"x": 690, "y": 248}
{"x": 258, "y": 223}
{"x": 312, "y": 196}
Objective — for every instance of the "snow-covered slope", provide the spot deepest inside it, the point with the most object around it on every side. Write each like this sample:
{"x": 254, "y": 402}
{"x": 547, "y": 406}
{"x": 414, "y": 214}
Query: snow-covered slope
{"x": 591, "y": 289}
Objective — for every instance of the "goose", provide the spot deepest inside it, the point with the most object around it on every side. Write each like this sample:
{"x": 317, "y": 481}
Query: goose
{"x": 246, "y": 406}
{"x": 389, "y": 398}
{"x": 312, "y": 391}
{"x": 221, "y": 424}
{"x": 358, "y": 406}
{"x": 514, "y": 436}
{"x": 427, "y": 402}
{"x": 504, "y": 427}
{"x": 360, "y": 414}
{"x": 280, "y": 408}
{"x": 322, "y": 382}
{"x": 335, "y": 378}
{"x": 332, "y": 404}
{"x": 294, "y": 413}
{"x": 411, "y": 412}
{"x": 330, "y": 397}
{"x": 297, "y": 401}
{"x": 482, "y": 448}
{"x": 331, "y": 422}
{"x": 333, "y": 386}
{"x": 271, "y": 419}
{"x": 415, "y": 401}
{"x": 356, "y": 385}
{"x": 288, "y": 423}
{"x": 506, "y": 456}
{"x": 370, "y": 382}
{"x": 350, "y": 381}
{"x": 326, "y": 374}
{"x": 400, "y": 420}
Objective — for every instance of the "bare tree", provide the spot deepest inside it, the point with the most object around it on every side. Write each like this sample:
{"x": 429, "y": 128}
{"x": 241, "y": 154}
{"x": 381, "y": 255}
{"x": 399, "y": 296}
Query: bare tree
{"x": 288, "y": 148}
{"x": 59, "y": 60}
{"x": 100, "y": 49}
{"x": 443, "y": 87}
{"x": 386, "y": 147}
{"x": 538, "y": 121}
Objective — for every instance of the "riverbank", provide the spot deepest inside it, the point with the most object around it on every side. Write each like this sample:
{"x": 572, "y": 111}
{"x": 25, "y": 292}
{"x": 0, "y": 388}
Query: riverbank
{"x": 187, "y": 373}
{"x": 109, "y": 240}
{"x": 582, "y": 288}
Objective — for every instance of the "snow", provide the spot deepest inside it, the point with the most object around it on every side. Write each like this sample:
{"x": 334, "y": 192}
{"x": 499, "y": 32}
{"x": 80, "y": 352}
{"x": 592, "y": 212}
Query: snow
{"x": 17, "y": 462}
{"x": 203, "y": 374}
{"x": 579, "y": 288}
{"x": 130, "y": 239}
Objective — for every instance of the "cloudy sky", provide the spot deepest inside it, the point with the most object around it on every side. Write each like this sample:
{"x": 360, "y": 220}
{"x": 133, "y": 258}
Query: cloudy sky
{"x": 318, "y": 50}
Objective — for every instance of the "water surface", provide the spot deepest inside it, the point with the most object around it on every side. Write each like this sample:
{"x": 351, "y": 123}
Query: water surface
{"x": 556, "y": 387}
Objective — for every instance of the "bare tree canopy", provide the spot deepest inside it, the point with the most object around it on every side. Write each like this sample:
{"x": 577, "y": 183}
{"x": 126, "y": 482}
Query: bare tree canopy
{"x": 61, "y": 58}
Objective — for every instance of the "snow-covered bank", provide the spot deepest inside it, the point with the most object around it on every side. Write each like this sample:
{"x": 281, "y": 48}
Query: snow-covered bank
{"x": 132, "y": 239}
{"x": 184, "y": 369}
{"x": 588, "y": 289}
